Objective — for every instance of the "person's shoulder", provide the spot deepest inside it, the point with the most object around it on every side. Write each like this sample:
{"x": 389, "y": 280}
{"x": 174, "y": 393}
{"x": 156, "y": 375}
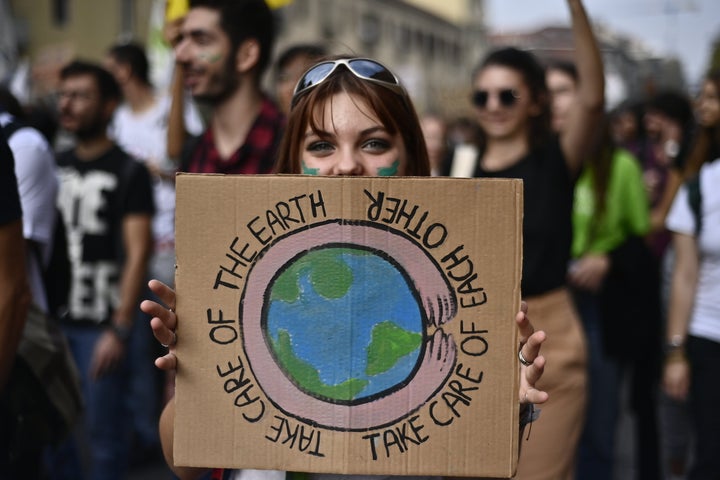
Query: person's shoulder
{"x": 127, "y": 165}
{"x": 122, "y": 116}
{"x": 547, "y": 152}
{"x": 625, "y": 160}
{"x": 270, "y": 112}
{"x": 548, "y": 146}
{"x": 65, "y": 158}
{"x": 127, "y": 160}
{"x": 711, "y": 169}
{"x": 29, "y": 140}
{"x": 624, "y": 155}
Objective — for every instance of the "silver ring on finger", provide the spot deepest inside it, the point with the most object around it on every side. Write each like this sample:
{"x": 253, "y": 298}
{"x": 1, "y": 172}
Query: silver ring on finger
{"x": 172, "y": 342}
{"x": 522, "y": 359}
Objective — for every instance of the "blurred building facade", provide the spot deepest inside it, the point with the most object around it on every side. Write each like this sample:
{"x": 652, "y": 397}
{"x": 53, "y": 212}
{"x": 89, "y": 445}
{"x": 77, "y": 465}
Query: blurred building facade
{"x": 432, "y": 53}
{"x": 631, "y": 69}
{"x": 432, "y": 46}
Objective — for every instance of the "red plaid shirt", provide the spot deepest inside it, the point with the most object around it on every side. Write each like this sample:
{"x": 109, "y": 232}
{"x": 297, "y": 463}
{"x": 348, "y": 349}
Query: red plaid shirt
{"x": 256, "y": 155}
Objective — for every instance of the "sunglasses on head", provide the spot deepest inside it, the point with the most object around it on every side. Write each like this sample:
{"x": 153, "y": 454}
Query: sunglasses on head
{"x": 507, "y": 97}
{"x": 363, "y": 68}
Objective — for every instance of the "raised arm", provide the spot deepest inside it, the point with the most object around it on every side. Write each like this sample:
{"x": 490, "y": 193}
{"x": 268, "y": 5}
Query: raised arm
{"x": 176, "y": 133}
{"x": 585, "y": 114}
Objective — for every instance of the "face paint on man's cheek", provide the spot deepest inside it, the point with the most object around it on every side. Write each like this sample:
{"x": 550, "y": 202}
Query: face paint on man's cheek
{"x": 307, "y": 170}
{"x": 210, "y": 57}
{"x": 390, "y": 171}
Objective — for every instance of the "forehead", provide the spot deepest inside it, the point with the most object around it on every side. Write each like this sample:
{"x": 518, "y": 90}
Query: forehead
{"x": 110, "y": 63}
{"x": 498, "y": 76}
{"x": 202, "y": 19}
{"x": 344, "y": 111}
{"x": 299, "y": 62}
{"x": 83, "y": 82}
{"x": 557, "y": 78}
{"x": 709, "y": 87}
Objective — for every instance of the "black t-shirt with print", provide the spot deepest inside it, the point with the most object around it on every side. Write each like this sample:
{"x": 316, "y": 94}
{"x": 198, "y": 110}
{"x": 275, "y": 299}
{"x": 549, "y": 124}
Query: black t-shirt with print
{"x": 95, "y": 196}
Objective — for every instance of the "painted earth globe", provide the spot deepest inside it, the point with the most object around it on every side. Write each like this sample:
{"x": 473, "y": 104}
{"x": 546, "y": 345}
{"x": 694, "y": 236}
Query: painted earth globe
{"x": 344, "y": 324}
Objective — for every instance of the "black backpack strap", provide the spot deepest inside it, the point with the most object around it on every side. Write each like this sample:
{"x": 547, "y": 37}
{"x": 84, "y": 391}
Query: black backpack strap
{"x": 186, "y": 156}
{"x": 695, "y": 201}
{"x": 9, "y": 129}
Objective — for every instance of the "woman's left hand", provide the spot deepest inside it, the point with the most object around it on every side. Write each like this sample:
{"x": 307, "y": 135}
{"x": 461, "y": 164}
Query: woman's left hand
{"x": 163, "y": 322}
{"x": 530, "y": 343}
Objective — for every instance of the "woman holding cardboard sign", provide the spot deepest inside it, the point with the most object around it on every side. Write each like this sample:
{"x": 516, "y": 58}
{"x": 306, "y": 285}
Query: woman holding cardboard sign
{"x": 513, "y": 111}
{"x": 350, "y": 116}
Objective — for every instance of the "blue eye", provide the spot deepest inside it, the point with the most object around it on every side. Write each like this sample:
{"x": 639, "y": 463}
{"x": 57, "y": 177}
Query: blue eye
{"x": 319, "y": 146}
{"x": 377, "y": 144}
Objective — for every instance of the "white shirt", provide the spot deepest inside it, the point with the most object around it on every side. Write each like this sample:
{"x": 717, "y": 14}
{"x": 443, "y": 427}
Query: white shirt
{"x": 144, "y": 136}
{"x": 705, "y": 317}
{"x": 38, "y": 186}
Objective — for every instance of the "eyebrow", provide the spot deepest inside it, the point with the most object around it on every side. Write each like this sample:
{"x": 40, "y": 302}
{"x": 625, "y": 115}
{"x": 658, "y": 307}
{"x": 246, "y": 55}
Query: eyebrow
{"x": 367, "y": 131}
{"x": 196, "y": 33}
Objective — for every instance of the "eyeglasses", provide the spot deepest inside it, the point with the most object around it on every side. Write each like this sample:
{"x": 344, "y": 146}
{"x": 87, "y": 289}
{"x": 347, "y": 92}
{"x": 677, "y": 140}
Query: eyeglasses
{"x": 363, "y": 68}
{"x": 507, "y": 97}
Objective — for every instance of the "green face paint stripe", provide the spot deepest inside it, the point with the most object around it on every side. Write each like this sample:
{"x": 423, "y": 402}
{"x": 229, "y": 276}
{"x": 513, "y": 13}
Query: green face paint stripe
{"x": 210, "y": 58}
{"x": 390, "y": 171}
{"x": 309, "y": 171}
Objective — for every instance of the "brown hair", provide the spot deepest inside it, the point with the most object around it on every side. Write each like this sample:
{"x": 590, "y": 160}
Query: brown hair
{"x": 395, "y": 111}
{"x": 533, "y": 74}
{"x": 706, "y": 144}
{"x": 600, "y": 162}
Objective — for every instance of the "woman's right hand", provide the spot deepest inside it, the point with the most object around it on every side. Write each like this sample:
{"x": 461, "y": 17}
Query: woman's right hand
{"x": 676, "y": 378}
{"x": 163, "y": 322}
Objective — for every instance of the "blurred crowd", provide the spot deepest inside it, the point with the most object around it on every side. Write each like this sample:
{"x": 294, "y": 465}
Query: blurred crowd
{"x": 642, "y": 280}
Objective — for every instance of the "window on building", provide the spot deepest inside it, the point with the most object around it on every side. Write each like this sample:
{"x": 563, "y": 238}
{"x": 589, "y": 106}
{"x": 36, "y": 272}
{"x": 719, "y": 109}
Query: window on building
{"x": 59, "y": 12}
{"x": 326, "y": 19}
{"x": 402, "y": 38}
{"x": 369, "y": 31}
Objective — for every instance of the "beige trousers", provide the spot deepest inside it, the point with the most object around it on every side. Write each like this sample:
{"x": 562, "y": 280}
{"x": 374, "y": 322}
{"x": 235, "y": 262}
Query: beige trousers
{"x": 549, "y": 453}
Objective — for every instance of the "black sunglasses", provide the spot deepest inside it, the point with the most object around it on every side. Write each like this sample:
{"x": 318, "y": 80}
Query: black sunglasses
{"x": 363, "y": 68}
{"x": 507, "y": 97}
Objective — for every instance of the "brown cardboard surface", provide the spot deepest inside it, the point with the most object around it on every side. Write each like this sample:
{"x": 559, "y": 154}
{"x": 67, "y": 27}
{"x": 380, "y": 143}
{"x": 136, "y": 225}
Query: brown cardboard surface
{"x": 279, "y": 369}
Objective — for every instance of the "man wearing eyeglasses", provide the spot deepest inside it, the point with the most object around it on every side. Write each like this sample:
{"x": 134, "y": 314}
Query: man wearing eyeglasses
{"x": 224, "y": 47}
{"x": 106, "y": 202}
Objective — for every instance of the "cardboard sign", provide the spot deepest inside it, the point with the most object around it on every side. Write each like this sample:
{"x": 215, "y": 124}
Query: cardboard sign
{"x": 348, "y": 325}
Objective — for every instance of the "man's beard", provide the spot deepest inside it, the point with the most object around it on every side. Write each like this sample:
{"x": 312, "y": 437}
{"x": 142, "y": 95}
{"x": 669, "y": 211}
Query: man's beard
{"x": 227, "y": 82}
{"x": 92, "y": 130}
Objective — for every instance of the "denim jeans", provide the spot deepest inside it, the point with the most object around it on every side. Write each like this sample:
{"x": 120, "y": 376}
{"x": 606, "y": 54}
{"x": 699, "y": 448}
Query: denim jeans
{"x": 596, "y": 451}
{"x": 704, "y": 357}
{"x": 105, "y": 432}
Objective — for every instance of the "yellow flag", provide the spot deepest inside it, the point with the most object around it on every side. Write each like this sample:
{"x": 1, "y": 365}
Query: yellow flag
{"x": 175, "y": 9}
{"x": 278, "y": 3}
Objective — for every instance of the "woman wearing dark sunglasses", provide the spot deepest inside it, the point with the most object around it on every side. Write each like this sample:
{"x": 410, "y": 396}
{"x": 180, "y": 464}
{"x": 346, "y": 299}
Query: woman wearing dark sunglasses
{"x": 349, "y": 116}
{"x": 513, "y": 112}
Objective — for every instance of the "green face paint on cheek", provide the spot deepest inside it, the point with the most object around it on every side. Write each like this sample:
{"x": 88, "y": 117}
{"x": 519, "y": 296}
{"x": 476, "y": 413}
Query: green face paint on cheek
{"x": 309, "y": 171}
{"x": 390, "y": 171}
{"x": 210, "y": 58}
